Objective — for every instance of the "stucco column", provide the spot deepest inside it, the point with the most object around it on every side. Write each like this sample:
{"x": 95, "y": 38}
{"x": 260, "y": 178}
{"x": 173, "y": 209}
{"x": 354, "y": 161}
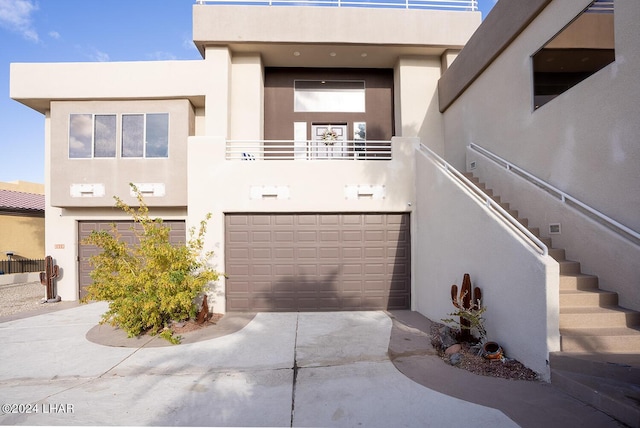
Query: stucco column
{"x": 416, "y": 100}
{"x": 217, "y": 90}
{"x": 246, "y": 119}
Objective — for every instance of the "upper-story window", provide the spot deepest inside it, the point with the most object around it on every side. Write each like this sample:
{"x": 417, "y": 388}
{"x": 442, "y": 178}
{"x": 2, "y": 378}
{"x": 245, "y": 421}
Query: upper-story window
{"x": 145, "y": 135}
{"x": 95, "y": 135}
{"x": 92, "y": 136}
{"x": 578, "y": 51}
{"x": 329, "y": 96}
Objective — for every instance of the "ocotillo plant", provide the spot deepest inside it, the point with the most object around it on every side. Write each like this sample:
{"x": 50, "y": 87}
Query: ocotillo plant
{"x": 467, "y": 308}
{"x": 47, "y": 277}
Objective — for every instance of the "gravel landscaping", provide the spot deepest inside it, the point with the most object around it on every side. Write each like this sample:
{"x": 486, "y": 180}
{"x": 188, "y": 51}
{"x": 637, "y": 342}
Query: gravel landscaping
{"x": 24, "y": 297}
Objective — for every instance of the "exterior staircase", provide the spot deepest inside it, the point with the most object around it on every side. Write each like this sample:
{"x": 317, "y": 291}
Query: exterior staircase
{"x": 599, "y": 361}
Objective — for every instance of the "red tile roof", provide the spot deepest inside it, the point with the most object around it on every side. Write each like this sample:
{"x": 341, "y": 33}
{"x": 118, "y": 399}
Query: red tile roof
{"x": 10, "y": 200}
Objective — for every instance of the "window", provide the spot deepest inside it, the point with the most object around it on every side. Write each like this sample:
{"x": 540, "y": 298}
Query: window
{"x": 95, "y": 135}
{"x": 329, "y": 96}
{"x": 145, "y": 135}
{"x": 582, "y": 48}
{"x": 92, "y": 136}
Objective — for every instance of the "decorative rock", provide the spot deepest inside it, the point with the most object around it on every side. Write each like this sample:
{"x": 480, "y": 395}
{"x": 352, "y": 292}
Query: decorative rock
{"x": 455, "y": 359}
{"x": 447, "y": 337}
{"x": 453, "y": 349}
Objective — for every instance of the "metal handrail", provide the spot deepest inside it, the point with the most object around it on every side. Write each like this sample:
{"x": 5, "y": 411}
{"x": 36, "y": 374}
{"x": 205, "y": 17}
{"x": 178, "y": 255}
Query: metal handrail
{"x": 308, "y": 150}
{"x": 466, "y": 5}
{"x": 535, "y": 242}
{"x": 564, "y": 197}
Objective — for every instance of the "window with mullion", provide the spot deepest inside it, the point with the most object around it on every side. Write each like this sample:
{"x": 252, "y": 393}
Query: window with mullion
{"x": 92, "y": 136}
{"x": 145, "y": 135}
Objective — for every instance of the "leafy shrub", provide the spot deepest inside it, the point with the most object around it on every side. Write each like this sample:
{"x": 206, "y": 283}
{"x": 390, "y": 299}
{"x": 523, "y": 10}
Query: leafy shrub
{"x": 150, "y": 283}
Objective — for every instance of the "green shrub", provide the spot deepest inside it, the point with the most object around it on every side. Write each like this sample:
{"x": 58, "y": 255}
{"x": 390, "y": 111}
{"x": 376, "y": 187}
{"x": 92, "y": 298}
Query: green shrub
{"x": 150, "y": 283}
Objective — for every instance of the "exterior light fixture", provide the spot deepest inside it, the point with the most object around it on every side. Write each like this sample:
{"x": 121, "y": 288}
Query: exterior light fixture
{"x": 296, "y": 53}
{"x": 332, "y": 54}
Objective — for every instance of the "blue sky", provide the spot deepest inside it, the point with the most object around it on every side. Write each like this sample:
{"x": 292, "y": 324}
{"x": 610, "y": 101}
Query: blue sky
{"x": 82, "y": 31}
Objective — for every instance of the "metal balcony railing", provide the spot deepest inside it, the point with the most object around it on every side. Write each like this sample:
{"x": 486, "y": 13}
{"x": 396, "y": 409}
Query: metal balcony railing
{"x": 459, "y": 5}
{"x": 259, "y": 150}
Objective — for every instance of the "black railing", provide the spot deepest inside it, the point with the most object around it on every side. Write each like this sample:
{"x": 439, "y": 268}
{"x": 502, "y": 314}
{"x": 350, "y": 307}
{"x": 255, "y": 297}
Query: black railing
{"x": 21, "y": 266}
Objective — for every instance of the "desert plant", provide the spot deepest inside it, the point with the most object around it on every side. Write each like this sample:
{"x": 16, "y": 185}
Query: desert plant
{"x": 468, "y": 311}
{"x": 47, "y": 278}
{"x": 151, "y": 282}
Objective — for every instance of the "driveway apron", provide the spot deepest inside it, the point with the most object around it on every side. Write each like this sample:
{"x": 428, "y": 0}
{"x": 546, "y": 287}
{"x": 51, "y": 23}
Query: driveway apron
{"x": 282, "y": 369}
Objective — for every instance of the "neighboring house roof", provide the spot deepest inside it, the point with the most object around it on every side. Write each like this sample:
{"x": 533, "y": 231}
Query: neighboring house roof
{"x": 20, "y": 201}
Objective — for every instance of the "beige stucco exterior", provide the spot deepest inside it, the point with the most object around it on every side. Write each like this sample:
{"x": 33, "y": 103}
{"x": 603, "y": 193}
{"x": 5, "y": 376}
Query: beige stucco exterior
{"x": 584, "y": 142}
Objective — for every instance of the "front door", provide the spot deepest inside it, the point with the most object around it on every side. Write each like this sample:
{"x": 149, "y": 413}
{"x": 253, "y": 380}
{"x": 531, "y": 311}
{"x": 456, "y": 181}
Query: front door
{"x": 329, "y": 140}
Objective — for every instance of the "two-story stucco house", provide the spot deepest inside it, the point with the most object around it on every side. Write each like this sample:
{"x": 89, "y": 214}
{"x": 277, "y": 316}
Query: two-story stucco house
{"x": 329, "y": 159}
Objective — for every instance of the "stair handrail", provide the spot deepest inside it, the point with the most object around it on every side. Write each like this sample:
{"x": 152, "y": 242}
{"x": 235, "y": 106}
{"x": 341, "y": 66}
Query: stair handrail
{"x": 563, "y": 196}
{"x": 533, "y": 240}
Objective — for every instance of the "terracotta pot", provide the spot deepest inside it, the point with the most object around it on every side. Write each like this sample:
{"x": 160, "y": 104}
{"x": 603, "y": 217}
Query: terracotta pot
{"x": 492, "y": 351}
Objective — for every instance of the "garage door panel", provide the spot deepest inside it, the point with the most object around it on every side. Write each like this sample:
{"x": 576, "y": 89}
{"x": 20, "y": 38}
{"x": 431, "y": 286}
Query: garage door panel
{"x": 305, "y": 253}
{"x": 281, "y": 236}
{"x": 285, "y": 270}
{"x": 261, "y": 270}
{"x": 261, "y": 236}
{"x": 352, "y": 235}
{"x": 240, "y": 237}
{"x": 260, "y": 220}
{"x": 320, "y": 262}
{"x": 284, "y": 220}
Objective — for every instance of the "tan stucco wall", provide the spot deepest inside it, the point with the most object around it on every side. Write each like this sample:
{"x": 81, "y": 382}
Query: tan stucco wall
{"x": 116, "y": 173}
{"x": 23, "y": 186}
{"x": 416, "y": 100}
{"x": 301, "y": 25}
{"x": 247, "y": 98}
{"x": 23, "y": 235}
{"x": 314, "y": 186}
{"x": 584, "y": 142}
{"x": 457, "y": 234}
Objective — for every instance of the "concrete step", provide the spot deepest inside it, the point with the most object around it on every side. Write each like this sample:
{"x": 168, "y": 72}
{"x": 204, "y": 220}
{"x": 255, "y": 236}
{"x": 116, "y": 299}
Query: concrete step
{"x": 620, "y": 367}
{"x": 569, "y": 267}
{"x": 578, "y": 282}
{"x": 546, "y": 241}
{"x": 557, "y": 253}
{"x": 595, "y": 297}
{"x": 600, "y": 340}
{"x": 597, "y": 317}
{"x": 620, "y": 400}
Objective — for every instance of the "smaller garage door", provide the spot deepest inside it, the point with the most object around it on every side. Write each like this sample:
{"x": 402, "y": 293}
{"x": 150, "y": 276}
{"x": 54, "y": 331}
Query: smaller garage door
{"x": 317, "y": 262}
{"x": 177, "y": 236}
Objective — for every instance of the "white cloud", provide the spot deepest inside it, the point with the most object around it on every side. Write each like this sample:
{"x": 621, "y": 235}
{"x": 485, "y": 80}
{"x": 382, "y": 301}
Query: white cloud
{"x": 161, "y": 56}
{"x": 15, "y": 15}
{"x": 99, "y": 56}
{"x": 54, "y": 35}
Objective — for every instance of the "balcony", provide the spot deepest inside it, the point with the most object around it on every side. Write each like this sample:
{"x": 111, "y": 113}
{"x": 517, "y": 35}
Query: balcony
{"x": 461, "y": 5}
{"x": 353, "y": 150}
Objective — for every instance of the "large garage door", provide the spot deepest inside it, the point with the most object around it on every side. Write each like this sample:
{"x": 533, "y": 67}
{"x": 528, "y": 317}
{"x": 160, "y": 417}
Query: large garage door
{"x": 317, "y": 262}
{"x": 177, "y": 236}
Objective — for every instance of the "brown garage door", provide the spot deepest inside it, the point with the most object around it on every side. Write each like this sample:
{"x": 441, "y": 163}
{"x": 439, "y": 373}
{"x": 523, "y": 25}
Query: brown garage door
{"x": 314, "y": 262}
{"x": 177, "y": 236}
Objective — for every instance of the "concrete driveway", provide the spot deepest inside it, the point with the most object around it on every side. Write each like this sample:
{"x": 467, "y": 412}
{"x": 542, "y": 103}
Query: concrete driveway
{"x": 281, "y": 369}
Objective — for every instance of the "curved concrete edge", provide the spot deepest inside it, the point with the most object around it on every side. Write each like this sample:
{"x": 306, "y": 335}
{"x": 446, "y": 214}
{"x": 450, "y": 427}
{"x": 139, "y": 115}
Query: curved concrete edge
{"x": 528, "y": 403}
{"x": 107, "y": 335}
